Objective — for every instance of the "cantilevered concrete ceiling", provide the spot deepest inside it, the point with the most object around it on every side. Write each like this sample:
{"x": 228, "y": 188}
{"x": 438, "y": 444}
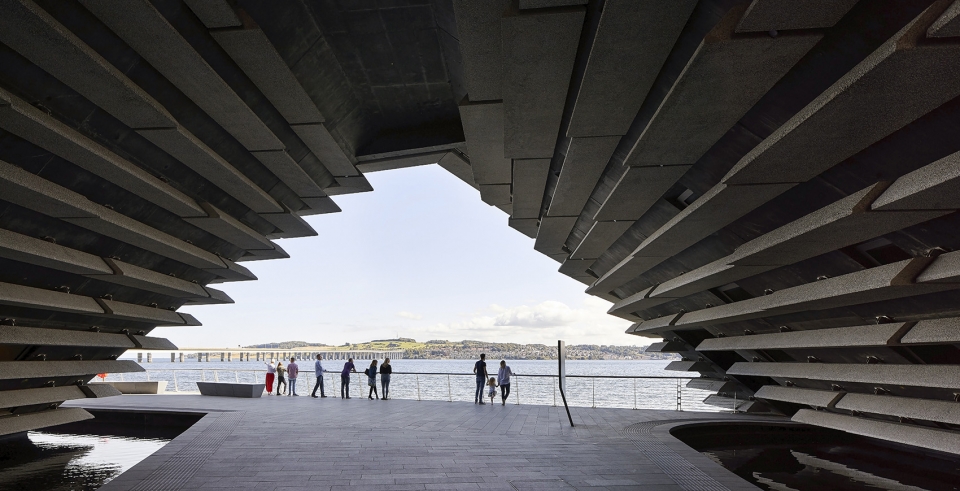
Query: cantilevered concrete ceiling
{"x": 770, "y": 186}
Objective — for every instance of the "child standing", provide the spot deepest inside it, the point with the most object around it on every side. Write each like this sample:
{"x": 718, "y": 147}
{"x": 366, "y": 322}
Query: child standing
{"x": 492, "y": 388}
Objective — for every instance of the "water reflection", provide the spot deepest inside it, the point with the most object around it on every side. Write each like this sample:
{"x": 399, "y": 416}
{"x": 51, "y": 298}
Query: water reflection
{"x": 806, "y": 459}
{"x": 49, "y": 461}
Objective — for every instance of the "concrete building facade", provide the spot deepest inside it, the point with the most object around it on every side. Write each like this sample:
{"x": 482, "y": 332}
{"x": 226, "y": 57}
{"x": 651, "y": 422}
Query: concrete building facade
{"x": 770, "y": 186}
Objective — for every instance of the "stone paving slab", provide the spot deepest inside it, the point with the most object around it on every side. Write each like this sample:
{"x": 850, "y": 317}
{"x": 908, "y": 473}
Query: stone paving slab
{"x": 286, "y": 443}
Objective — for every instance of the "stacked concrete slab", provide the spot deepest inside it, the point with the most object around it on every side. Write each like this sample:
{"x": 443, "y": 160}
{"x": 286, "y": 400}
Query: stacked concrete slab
{"x": 770, "y": 187}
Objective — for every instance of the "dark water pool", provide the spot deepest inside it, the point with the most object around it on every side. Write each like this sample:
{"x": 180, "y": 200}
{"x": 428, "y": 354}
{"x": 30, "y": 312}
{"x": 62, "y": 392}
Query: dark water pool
{"x": 801, "y": 458}
{"x": 88, "y": 454}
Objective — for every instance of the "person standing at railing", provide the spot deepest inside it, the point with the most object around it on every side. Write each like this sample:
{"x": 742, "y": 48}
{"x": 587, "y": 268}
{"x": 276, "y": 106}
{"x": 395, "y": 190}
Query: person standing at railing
{"x": 345, "y": 378}
{"x": 318, "y": 371}
{"x": 281, "y": 380}
{"x": 503, "y": 378}
{"x": 480, "y": 368}
{"x": 371, "y": 372}
{"x": 271, "y": 374}
{"x": 385, "y": 371}
{"x": 293, "y": 369}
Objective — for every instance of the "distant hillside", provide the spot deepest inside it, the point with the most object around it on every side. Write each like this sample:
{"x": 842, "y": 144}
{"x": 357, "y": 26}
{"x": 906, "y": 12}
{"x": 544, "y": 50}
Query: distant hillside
{"x": 467, "y": 349}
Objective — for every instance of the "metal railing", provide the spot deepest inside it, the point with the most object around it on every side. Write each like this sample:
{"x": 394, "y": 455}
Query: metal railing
{"x": 615, "y": 391}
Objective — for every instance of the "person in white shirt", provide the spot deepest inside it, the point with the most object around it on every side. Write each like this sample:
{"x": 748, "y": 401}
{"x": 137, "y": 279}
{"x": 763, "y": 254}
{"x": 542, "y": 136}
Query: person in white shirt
{"x": 271, "y": 374}
{"x": 503, "y": 379}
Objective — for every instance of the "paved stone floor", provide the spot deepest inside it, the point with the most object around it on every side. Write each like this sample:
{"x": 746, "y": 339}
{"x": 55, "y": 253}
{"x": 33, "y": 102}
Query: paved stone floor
{"x": 287, "y": 443}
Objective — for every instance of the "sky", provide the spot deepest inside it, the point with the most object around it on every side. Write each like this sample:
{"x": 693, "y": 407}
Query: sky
{"x": 419, "y": 257}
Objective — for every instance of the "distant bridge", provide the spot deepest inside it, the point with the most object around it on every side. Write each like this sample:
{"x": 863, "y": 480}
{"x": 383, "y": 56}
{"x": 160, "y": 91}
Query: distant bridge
{"x": 263, "y": 354}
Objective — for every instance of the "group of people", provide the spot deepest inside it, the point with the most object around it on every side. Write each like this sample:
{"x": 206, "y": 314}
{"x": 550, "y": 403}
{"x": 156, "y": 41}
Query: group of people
{"x": 281, "y": 375}
{"x": 502, "y": 380}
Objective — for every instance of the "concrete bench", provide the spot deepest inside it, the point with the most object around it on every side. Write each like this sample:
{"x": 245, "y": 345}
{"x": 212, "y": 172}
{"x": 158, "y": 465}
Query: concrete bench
{"x": 224, "y": 389}
{"x": 157, "y": 387}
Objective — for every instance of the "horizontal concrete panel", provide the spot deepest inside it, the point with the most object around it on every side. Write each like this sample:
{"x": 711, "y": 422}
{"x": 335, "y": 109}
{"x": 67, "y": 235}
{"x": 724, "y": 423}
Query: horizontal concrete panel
{"x": 46, "y": 395}
{"x": 18, "y": 370}
{"x": 282, "y": 165}
{"x": 712, "y": 385}
{"x": 940, "y": 440}
{"x": 151, "y": 281}
{"x": 633, "y": 39}
{"x": 637, "y": 190}
{"x": 526, "y": 226}
{"x": 478, "y": 29}
{"x": 26, "y": 336}
{"x": 726, "y": 77}
{"x": 904, "y": 407}
{"x": 932, "y": 187}
{"x": 400, "y": 161}
{"x": 934, "y": 331}
{"x": 214, "y": 14}
{"x": 841, "y": 337}
{"x": 689, "y": 366}
{"x": 583, "y": 164}
{"x": 139, "y": 313}
{"x": 35, "y": 193}
{"x": 529, "y": 184}
{"x": 933, "y": 376}
{"x": 495, "y": 194}
{"x": 38, "y": 252}
{"x": 848, "y": 117}
{"x": 146, "y": 342}
{"x": 145, "y": 29}
{"x": 711, "y": 275}
{"x": 484, "y": 131}
{"x": 456, "y": 164}
{"x": 944, "y": 269}
{"x": 130, "y": 231}
{"x": 264, "y": 254}
{"x": 46, "y": 132}
{"x": 259, "y": 60}
{"x": 948, "y": 25}
{"x": 599, "y": 238}
{"x": 539, "y": 49}
{"x": 777, "y": 15}
{"x": 32, "y": 32}
{"x": 575, "y": 267}
{"x": 290, "y": 225}
{"x": 193, "y": 153}
{"x": 42, "y": 419}
{"x": 213, "y": 297}
{"x": 36, "y": 298}
{"x": 795, "y": 395}
{"x": 319, "y": 140}
{"x": 349, "y": 185}
{"x": 542, "y": 4}
{"x": 730, "y": 403}
{"x": 226, "y": 227}
{"x": 231, "y": 271}
{"x": 877, "y": 284}
{"x": 317, "y": 206}
{"x": 717, "y": 208}
{"x": 553, "y": 233}
{"x": 626, "y": 270}
{"x": 667, "y": 347}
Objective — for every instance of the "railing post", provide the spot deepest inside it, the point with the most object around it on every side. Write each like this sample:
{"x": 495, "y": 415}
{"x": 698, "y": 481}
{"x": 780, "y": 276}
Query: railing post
{"x": 679, "y": 396}
{"x": 176, "y": 386}
{"x": 216, "y": 375}
{"x": 555, "y": 382}
{"x": 449, "y": 392}
{"x": 634, "y": 394}
{"x": 594, "y": 392}
{"x": 236, "y": 376}
{"x": 418, "y": 387}
{"x": 517, "y": 390}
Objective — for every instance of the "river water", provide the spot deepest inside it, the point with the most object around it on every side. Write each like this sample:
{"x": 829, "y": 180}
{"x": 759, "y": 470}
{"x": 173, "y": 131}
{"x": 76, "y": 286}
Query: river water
{"x": 453, "y": 380}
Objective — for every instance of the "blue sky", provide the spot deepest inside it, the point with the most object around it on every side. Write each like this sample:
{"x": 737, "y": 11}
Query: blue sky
{"x": 421, "y": 256}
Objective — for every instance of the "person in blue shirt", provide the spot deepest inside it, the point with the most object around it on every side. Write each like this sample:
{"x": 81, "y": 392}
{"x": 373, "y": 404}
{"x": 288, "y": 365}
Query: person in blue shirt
{"x": 318, "y": 370}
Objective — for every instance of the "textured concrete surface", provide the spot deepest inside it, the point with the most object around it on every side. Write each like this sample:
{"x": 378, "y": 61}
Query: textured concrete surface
{"x": 338, "y": 444}
{"x": 776, "y": 15}
{"x": 584, "y": 161}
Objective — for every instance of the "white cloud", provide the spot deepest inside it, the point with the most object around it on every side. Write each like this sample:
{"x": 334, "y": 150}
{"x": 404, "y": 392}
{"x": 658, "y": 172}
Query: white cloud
{"x": 540, "y": 323}
{"x": 409, "y": 315}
